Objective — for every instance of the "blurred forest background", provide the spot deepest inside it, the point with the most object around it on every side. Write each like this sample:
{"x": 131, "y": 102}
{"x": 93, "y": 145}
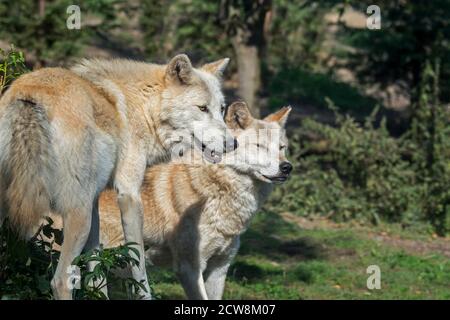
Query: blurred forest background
{"x": 370, "y": 129}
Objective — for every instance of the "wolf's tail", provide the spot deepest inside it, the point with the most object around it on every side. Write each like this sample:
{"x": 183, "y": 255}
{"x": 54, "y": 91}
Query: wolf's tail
{"x": 26, "y": 165}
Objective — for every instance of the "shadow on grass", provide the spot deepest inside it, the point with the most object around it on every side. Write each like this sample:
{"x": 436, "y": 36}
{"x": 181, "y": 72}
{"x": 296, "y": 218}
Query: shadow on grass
{"x": 272, "y": 238}
{"x": 277, "y": 239}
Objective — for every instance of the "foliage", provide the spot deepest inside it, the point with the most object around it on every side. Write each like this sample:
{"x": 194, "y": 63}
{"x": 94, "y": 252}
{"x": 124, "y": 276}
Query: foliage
{"x": 351, "y": 171}
{"x": 26, "y": 267}
{"x": 430, "y": 133}
{"x": 12, "y": 64}
{"x": 297, "y": 33}
{"x": 411, "y": 33}
{"x": 109, "y": 262}
{"x": 45, "y": 34}
{"x": 360, "y": 171}
{"x": 183, "y": 26}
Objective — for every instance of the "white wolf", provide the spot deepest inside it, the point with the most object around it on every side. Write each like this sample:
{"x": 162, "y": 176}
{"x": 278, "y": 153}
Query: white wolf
{"x": 194, "y": 214}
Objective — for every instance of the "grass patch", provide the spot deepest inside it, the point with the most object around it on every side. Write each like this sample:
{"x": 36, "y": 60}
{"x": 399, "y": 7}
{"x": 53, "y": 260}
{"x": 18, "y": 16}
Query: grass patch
{"x": 279, "y": 260}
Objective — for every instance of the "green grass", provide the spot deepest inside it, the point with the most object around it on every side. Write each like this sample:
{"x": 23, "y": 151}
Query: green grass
{"x": 279, "y": 260}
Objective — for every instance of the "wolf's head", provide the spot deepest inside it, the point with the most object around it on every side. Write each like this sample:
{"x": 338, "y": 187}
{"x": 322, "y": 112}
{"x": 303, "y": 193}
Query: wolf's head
{"x": 193, "y": 106}
{"x": 263, "y": 143}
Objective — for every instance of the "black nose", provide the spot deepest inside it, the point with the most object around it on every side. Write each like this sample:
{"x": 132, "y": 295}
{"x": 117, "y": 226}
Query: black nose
{"x": 229, "y": 145}
{"x": 285, "y": 167}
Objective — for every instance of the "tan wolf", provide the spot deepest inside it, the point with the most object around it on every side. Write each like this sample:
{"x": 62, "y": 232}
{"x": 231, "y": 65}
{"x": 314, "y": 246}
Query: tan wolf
{"x": 194, "y": 214}
{"x": 67, "y": 134}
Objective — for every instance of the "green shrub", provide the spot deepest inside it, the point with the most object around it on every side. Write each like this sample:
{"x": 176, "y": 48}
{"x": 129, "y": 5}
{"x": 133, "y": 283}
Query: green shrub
{"x": 12, "y": 65}
{"x": 110, "y": 261}
{"x": 359, "y": 171}
{"x": 27, "y": 267}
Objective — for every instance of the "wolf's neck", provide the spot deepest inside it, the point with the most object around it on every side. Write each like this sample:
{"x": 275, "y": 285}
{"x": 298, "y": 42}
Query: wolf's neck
{"x": 159, "y": 138}
{"x": 244, "y": 197}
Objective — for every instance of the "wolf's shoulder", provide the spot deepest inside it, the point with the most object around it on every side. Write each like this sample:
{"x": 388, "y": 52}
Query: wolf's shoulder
{"x": 112, "y": 68}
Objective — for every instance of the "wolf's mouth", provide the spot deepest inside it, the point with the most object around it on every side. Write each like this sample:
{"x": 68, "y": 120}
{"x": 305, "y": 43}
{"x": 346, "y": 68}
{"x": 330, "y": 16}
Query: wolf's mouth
{"x": 210, "y": 155}
{"x": 276, "y": 179}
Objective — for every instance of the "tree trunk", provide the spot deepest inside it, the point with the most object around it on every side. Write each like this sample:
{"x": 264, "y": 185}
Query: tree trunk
{"x": 249, "y": 72}
{"x": 41, "y": 8}
{"x": 246, "y": 23}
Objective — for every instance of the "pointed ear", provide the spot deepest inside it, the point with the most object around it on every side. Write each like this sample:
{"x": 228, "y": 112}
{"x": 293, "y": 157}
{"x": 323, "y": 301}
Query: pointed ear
{"x": 217, "y": 67}
{"x": 280, "y": 116}
{"x": 179, "y": 69}
{"x": 238, "y": 116}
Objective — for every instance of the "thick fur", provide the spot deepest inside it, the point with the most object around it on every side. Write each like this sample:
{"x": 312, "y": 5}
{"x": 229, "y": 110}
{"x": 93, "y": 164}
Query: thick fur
{"x": 194, "y": 214}
{"x": 66, "y": 134}
{"x": 29, "y": 181}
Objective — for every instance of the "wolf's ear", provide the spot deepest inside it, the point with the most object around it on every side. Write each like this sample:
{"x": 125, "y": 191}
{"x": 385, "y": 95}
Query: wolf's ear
{"x": 180, "y": 69}
{"x": 217, "y": 67}
{"x": 238, "y": 116}
{"x": 280, "y": 116}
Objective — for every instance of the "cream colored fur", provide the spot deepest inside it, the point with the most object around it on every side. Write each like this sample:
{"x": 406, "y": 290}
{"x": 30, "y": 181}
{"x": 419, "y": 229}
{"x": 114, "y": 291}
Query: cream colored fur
{"x": 194, "y": 214}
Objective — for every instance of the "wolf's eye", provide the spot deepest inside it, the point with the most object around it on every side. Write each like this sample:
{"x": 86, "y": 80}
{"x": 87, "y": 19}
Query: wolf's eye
{"x": 203, "y": 108}
{"x": 282, "y": 148}
{"x": 222, "y": 109}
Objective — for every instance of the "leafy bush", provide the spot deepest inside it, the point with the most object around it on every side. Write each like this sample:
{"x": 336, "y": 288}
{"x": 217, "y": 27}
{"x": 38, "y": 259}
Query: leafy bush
{"x": 44, "y": 34}
{"x": 110, "y": 262}
{"x": 27, "y": 267}
{"x": 12, "y": 65}
{"x": 359, "y": 171}
{"x": 351, "y": 171}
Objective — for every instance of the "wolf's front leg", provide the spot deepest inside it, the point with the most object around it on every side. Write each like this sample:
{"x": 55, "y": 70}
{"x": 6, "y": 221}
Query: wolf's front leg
{"x": 128, "y": 182}
{"x": 215, "y": 280}
{"x": 132, "y": 221}
{"x": 216, "y": 272}
{"x": 191, "y": 278}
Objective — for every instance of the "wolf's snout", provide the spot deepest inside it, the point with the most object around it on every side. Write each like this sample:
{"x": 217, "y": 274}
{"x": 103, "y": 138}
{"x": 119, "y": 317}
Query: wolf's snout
{"x": 285, "y": 167}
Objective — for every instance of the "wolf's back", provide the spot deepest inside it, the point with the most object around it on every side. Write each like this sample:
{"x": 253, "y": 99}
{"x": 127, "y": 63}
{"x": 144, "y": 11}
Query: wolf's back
{"x": 26, "y": 164}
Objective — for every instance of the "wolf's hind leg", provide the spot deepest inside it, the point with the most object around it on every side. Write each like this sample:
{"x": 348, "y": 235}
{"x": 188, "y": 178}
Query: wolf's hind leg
{"x": 77, "y": 224}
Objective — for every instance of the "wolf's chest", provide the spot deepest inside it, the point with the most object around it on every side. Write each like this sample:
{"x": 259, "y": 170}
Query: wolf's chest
{"x": 225, "y": 219}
